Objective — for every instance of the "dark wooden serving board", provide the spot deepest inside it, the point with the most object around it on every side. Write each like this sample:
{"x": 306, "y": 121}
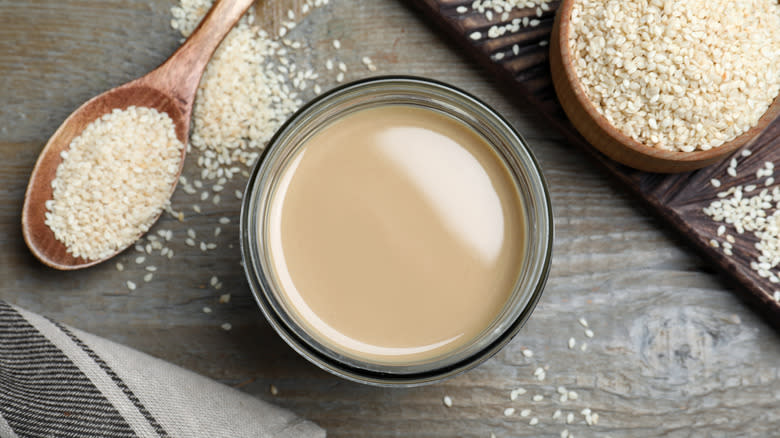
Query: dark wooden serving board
{"x": 678, "y": 199}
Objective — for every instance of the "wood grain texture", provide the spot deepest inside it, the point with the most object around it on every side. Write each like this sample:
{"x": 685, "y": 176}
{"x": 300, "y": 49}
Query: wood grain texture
{"x": 675, "y": 353}
{"x": 678, "y": 199}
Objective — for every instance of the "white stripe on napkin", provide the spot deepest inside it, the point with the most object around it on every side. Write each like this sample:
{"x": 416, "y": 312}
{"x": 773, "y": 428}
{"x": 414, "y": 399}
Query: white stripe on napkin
{"x": 5, "y": 429}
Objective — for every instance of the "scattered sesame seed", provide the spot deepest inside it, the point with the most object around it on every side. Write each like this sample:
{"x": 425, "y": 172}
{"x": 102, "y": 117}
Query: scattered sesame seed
{"x": 224, "y": 298}
{"x": 557, "y": 414}
{"x": 589, "y": 333}
{"x": 120, "y": 267}
{"x": 461, "y": 9}
{"x": 336, "y": 44}
{"x": 569, "y": 418}
{"x": 538, "y": 397}
{"x": 583, "y": 322}
{"x": 525, "y": 412}
{"x": 130, "y": 285}
{"x": 206, "y": 309}
{"x": 516, "y": 392}
{"x": 572, "y": 343}
{"x": 148, "y": 277}
{"x": 715, "y": 182}
{"x": 227, "y": 326}
{"x": 584, "y": 346}
{"x": 475, "y": 35}
{"x": 224, "y": 220}
{"x": 534, "y": 421}
{"x": 447, "y": 401}
{"x": 508, "y": 412}
{"x": 273, "y": 390}
{"x": 140, "y": 259}
{"x": 527, "y": 352}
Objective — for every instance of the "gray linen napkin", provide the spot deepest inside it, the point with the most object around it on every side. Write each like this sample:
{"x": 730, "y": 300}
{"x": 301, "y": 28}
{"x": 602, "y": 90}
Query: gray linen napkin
{"x": 56, "y": 381}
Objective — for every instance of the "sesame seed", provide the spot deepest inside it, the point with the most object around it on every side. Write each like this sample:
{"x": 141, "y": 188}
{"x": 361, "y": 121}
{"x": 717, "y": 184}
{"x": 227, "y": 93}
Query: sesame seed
{"x": 272, "y": 388}
{"x": 583, "y": 322}
{"x": 572, "y": 343}
{"x": 120, "y": 267}
{"x": 525, "y": 412}
{"x": 557, "y": 414}
{"x": 715, "y": 182}
{"x": 148, "y": 277}
{"x": 534, "y": 421}
{"x": 224, "y": 298}
{"x": 475, "y": 35}
{"x": 131, "y": 285}
{"x": 584, "y": 346}
{"x": 226, "y": 326}
{"x": 538, "y": 397}
{"x": 589, "y": 333}
{"x": 206, "y": 309}
{"x": 140, "y": 259}
{"x": 508, "y": 412}
{"x": 527, "y": 352}
{"x": 224, "y": 220}
{"x": 336, "y": 44}
{"x": 570, "y": 418}
{"x": 516, "y": 392}
{"x": 447, "y": 401}
{"x": 97, "y": 229}
{"x": 461, "y": 9}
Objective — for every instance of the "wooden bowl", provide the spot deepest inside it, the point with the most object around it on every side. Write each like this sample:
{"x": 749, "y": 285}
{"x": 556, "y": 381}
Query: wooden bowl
{"x": 606, "y": 138}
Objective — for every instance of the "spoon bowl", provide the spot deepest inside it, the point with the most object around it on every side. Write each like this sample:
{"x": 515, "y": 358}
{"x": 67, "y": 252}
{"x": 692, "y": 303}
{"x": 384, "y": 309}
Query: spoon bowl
{"x": 170, "y": 89}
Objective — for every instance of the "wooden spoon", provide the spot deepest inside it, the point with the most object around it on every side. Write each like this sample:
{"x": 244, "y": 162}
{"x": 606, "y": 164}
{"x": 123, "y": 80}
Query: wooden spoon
{"x": 170, "y": 88}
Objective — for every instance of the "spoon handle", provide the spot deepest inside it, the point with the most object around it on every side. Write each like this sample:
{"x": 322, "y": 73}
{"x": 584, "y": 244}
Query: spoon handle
{"x": 180, "y": 74}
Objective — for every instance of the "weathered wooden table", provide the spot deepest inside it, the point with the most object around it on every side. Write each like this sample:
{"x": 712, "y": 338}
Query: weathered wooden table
{"x": 675, "y": 353}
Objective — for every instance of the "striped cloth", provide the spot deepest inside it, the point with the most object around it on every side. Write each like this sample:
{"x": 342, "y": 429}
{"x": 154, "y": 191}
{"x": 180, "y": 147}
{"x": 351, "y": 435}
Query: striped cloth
{"x": 59, "y": 382}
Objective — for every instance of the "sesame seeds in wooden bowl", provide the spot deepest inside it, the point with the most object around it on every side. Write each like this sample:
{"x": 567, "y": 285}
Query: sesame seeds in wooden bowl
{"x": 650, "y": 86}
